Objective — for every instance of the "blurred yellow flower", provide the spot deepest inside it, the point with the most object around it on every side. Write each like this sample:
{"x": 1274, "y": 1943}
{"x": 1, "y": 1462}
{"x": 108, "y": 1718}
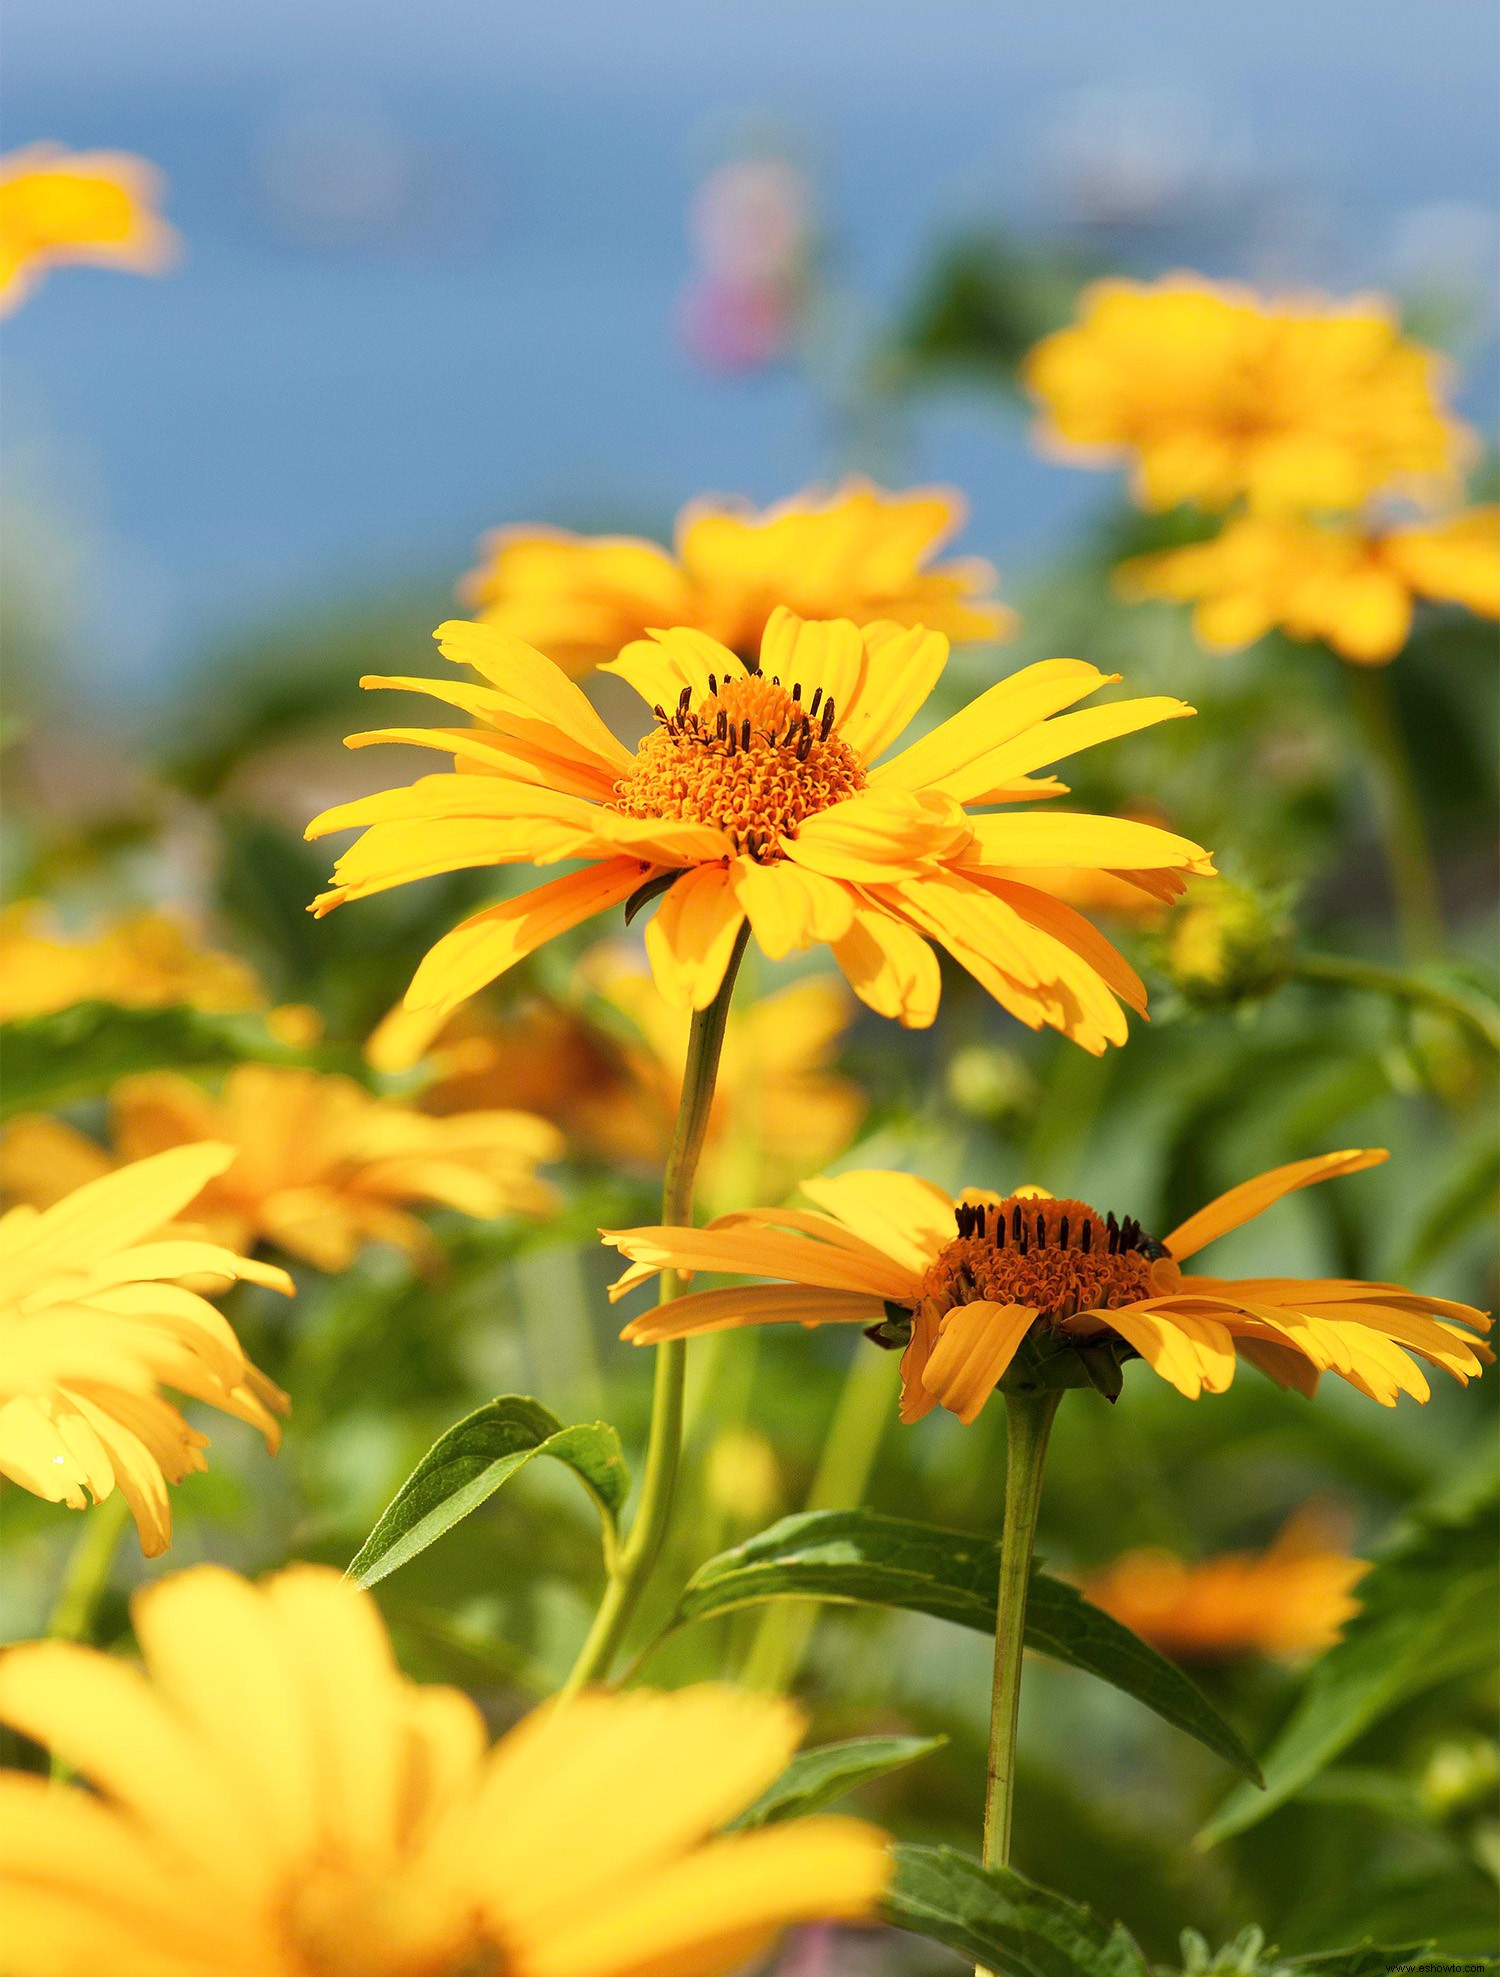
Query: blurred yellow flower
{"x": 59, "y": 206}
{"x": 272, "y": 1796}
{"x": 146, "y": 961}
{"x": 858, "y": 553}
{"x": 978, "y": 1274}
{"x": 755, "y": 801}
{"x": 1288, "y": 1602}
{"x": 779, "y": 1111}
{"x": 1350, "y": 585}
{"x": 321, "y": 1166}
{"x": 99, "y": 1310}
{"x": 1212, "y": 393}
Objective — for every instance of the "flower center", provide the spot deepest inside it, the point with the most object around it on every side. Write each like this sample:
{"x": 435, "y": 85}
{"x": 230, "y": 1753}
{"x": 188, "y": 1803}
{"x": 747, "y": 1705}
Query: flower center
{"x": 1059, "y": 1256}
{"x": 341, "y": 1921}
{"x": 754, "y": 759}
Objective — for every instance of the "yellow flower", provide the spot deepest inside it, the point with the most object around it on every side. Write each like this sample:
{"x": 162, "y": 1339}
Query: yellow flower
{"x": 98, "y": 1310}
{"x": 1350, "y": 585}
{"x": 1289, "y": 1601}
{"x": 980, "y": 1274}
{"x": 320, "y": 1166}
{"x": 60, "y": 206}
{"x": 859, "y": 553}
{"x": 1212, "y": 393}
{"x": 757, "y": 796}
{"x": 146, "y": 961}
{"x": 274, "y": 1799}
{"x": 779, "y": 1112}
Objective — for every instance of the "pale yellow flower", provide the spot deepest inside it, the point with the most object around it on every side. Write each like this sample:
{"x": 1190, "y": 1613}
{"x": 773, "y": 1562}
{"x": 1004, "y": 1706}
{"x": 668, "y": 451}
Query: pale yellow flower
{"x": 760, "y": 798}
{"x": 779, "y": 1111}
{"x": 1353, "y": 585}
{"x": 321, "y": 1166}
{"x": 59, "y": 207}
{"x": 858, "y": 553}
{"x": 981, "y": 1274}
{"x": 274, "y": 1799}
{"x": 1289, "y": 1601}
{"x": 145, "y": 961}
{"x": 1211, "y": 393}
{"x": 98, "y": 1311}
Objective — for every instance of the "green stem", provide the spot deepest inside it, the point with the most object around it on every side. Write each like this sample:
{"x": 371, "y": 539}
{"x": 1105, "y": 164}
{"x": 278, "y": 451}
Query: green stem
{"x": 1475, "y": 1012}
{"x": 641, "y": 1549}
{"x": 1408, "y": 853}
{"x": 88, "y": 1570}
{"x": 865, "y": 1406}
{"x": 1028, "y": 1419}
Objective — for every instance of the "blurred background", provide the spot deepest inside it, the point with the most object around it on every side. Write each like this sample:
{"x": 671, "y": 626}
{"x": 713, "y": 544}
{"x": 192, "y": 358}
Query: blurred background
{"x": 454, "y": 267}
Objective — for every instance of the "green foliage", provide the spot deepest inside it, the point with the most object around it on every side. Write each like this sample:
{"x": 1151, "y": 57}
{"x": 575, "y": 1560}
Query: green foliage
{"x": 465, "y": 1467}
{"x": 1427, "y": 1614}
{"x": 983, "y": 301}
{"x": 1005, "y": 1921}
{"x": 859, "y": 1557}
{"x": 84, "y": 1051}
{"x": 815, "y": 1778}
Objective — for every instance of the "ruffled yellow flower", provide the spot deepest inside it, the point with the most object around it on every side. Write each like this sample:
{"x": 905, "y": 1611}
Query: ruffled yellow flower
{"x": 1351, "y": 586}
{"x": 59, "y": 206}
{"x": 859, "y": 553}
{"x": 1288, "y": 1602}
{"x": 779, "y": 1111}
{"x": 1212, "y": 393}
{"x": 979, "y": 1274}
{"x": 274, "y": 1799}
{"x": 98, "y": 1311}
{"x": 320, "y": 1166}
{"x": 145, "y": 961}
{"x": 761, "y": 797}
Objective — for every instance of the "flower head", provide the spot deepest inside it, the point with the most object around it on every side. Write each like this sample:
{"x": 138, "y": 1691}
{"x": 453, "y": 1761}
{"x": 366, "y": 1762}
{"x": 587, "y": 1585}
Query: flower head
{"x": 1289, "y": 1601}
{"x": 761, "y": 797}
{"x": 274, "y": 1797}
{"x": 59, "y": 206}
{"x": 606, "y": 1066}
{"x": 969, "y": 1282}
{"x": 144, "y": 961}
{"x": 320, "y": 1166}
{"x": 858, "y": 553}
{"x": 1212, "y": 393}
{"x": 1351, "y": 585}
{"x": 98, "y": 1311}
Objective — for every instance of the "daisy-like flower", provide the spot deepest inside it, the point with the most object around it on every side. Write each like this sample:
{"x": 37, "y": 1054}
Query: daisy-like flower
{"x": 761, "y": 796}
{"x": 1288, "y": 1602}
{"x": 59, "y": 207}
{"x": 858, "y": 553}
{"x": 98, "y": 1311}
{"x": 272, "y": 1798}
{"x": 1212, "y": 393}
{"x": 969, "y": 1281}
{"x": 144, "y": 961}
{"x": 606, "y": 1066}
{"x": 320, "y": 1166}
{"x": 1351, "y": 585}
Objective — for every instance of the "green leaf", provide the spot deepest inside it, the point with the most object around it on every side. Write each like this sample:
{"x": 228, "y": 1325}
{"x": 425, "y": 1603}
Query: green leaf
{"x": 999, "y": 1918}
{"x": 81, "y": 1052}
{"x": 1362, "y": 1960}
{"x": 1427, "y": 1615}
{"x": 815, "y": 1778}
{"x": 861, "y": 1558}
{"x": 465, "y": 1467}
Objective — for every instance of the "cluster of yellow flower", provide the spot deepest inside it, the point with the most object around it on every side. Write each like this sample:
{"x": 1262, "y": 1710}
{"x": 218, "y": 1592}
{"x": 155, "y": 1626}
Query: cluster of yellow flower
{"x": 1302, "y": 417}
{"x": 271, "y": 1795}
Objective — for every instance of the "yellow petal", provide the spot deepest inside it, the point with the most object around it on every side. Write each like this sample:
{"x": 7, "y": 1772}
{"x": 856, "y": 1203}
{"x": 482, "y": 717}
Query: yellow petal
{"x": 692, "y": 936}
{"x": 531, "y": 687}
{"x": 1252, "y": 1198}
{"x": 890, "y": 967}
{"x": 1054, "y": 740}
{"x": 903, "y": 665}
{"x": 1004, "y": 711}
{"x": 789, "y": 906}
{"x": 752, "y": 1304}
{"x": 906, "y": 1217}
{"x": 975, "y": 1345}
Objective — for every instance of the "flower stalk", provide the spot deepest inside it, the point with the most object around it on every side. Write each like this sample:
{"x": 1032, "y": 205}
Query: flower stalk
{"x": 1028, "y": 1420}
{"x": 1407, "y": 849}
{"x": 637, "y": 1557}
{"x": 87, "y": 1572}
{"x": 1473, "y": 1010}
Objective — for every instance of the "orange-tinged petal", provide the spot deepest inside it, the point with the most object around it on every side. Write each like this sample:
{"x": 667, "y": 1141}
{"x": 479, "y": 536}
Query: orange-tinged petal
{"x": 752, "y": 1304}
{"x": 531, "y": 687}
{"x": 975, "y": 1345}
{"x": 743, "y": 1250}
{"x": 1252, "y": 1198}
{"x": 878, "y": 836}
{"x": 692, "y": 936}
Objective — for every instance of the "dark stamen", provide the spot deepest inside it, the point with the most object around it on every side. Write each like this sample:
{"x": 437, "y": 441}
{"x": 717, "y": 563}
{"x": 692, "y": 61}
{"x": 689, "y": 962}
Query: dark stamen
{"x": 797, "y": 691}
{"x": 659, "y": 711}
{"x": 1062, "y": 1233}
{"x": 713, "y": 683}
{"x": 1015, "y": 1223}
{"x": 812, "y": 705}
{"x": 721, "y": 726}
{"x": 1114, "y": 1232}
{"x": 1086, "y": 1240}
{"x": 827, "y": 719}
{"x": 684, "y": 699}
{"x": 1041, "y": 1230}
{"x": 999, "y": 1230}
{"x": 745, "y": 733}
